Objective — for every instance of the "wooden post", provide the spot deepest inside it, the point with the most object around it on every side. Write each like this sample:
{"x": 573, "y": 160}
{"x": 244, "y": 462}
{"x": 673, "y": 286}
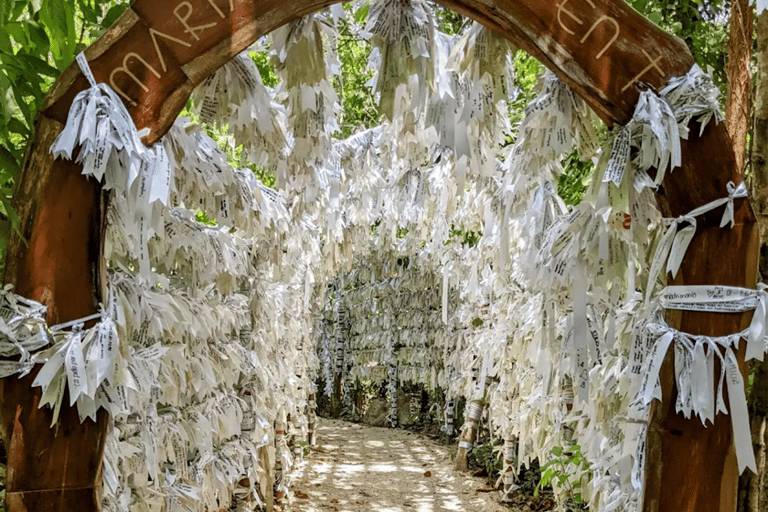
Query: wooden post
{"x": 338, "y": 379}
{"x": 472, "y": 415}
{"x": 508, "y": 470}
{"x": 392, "y": 392}
{"x": 312, "y": 420}
{"x": 57, "y": 264}
{"x": 267, "y": 483}
{"x": 279, "y": 490}
{"x": 449, "y": 412}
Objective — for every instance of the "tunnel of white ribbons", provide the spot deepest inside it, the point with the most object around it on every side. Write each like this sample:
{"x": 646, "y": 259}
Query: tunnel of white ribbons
{"x": 426, "y": 249}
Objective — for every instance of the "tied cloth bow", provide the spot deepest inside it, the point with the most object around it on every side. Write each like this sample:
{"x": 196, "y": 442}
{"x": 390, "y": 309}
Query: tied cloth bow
{"x": 674, "y": 243}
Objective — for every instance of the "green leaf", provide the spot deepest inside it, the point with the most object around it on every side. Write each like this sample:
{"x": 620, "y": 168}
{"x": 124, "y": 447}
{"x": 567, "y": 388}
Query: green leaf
{"x": 18, "y": 32}
{"x": 16, "y": 126}
{"x": 26, "y": 110}
{"x": 38, "y": 65}
{"x": 5, "y": 42}
{"x": 89, "y": 14}
{"x": 8, "y": 163}
{"x": 58, "y": 18}
{"x": 6, "y": 7}
{"x": 12, "y": 217}
{"x": 6, "y": 99}
{"x": 39, "y": 39}
{"x": 35, "y": 6}
{"x": 112, "y": 14}
{"x": 546, "y": 476}
{"x": 557, "y": 451}
{"x": 362, "y": 13}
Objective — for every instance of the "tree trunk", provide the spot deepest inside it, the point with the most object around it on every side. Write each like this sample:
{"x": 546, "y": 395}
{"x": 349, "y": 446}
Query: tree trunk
{"x": 336, "y": 397}
{"x": 312, "y": 420}
{"x": 738, "y": 103}
{"x": 449, "y": 412}
{"x": 753, "y": 488}
{"x": 472, "y": 413}
{"x": 508, "y": 470}
{"x": 266, "y": 485}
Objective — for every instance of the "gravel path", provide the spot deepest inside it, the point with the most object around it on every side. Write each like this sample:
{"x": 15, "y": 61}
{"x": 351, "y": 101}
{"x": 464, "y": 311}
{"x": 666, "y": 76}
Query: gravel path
{"x": 357, "y": 468}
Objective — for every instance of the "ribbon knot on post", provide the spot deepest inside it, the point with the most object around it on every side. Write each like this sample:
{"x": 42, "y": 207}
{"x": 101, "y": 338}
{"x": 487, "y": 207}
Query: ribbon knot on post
{"x": 734, "y": 191}
{"x": 674, "y": 243}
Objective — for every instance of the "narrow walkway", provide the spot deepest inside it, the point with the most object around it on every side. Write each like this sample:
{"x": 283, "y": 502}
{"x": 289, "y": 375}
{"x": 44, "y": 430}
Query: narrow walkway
{"x": 357, "y": 468}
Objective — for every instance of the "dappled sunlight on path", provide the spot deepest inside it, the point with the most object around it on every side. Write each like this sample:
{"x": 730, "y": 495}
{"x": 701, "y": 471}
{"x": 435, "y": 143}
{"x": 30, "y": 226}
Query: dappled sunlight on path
{"x": 359, "y": 468}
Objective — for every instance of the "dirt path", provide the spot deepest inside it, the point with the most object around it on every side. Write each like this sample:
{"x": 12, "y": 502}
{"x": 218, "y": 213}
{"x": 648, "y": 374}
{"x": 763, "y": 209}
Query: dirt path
{"x": 357, "y": 468}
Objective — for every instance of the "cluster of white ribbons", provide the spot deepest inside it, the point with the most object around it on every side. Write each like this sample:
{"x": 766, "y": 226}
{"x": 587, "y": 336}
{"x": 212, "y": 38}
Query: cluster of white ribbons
{"x": 428, "y": 171}
{"x": 111, "y": 151}
{"x": 84, "y": 360}
{"x": 699, "y": 391}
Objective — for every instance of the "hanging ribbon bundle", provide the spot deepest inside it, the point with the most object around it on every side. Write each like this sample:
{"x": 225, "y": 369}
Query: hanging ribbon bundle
{"x": 698, "y": 389}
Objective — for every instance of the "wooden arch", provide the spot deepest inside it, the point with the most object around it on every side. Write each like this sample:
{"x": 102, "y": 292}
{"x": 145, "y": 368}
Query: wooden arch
{"x": 157, "y": 52}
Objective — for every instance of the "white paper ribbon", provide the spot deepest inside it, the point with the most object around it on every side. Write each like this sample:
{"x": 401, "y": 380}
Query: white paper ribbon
{"x": 694, "y": 374}
{"x": 725, "y": 299}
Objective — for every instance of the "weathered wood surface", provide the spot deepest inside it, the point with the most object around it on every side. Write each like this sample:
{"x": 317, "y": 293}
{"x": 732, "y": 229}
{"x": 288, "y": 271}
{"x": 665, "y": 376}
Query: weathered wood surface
{"x": 58, "y": 265}
{"x": 603, "y": 49}
{"x": 159, "y": 50}
{"x": 473, "y": 413}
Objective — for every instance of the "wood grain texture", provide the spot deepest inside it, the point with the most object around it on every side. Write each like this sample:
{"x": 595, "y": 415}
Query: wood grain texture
{"x": 558, "y": 34}
{"x": 55, "y": 260}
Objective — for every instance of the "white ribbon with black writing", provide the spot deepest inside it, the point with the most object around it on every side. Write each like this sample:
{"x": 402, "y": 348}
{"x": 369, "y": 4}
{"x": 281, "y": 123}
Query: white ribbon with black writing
{"x": 695, "y": 356}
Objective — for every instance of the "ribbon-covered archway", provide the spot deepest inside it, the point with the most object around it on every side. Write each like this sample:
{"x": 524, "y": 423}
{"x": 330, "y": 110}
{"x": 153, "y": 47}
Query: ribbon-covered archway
{"x": 159, "y": 51}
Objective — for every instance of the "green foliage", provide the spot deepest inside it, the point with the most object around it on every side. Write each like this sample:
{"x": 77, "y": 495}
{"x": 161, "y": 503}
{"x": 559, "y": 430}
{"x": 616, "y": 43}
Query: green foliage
{"x": 527, "y": 73}
{"x": 226, "y": 144}
{"x": 702, "y": 24}
{"x": 486, "y": 460}
{"x": 565, "y": 469}
{"x": 358, "y": 106}
{"x": 465, "y": 237}
{"x": 576, "y": 178}
{"x": 203, "y": 218}
{"x": 529, "y": 477}
{"x": 450, "y": 22}
{"x": 269, "y": 75}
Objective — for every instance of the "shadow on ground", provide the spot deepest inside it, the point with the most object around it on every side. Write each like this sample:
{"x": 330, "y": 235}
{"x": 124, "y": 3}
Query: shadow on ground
{"x": 359, "y": 468}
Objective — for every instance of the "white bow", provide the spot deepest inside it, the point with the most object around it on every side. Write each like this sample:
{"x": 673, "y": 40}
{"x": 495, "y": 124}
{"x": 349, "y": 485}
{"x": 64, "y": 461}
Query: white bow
{"x": 674, "y": 243}
{"x": 733, "y": 192}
